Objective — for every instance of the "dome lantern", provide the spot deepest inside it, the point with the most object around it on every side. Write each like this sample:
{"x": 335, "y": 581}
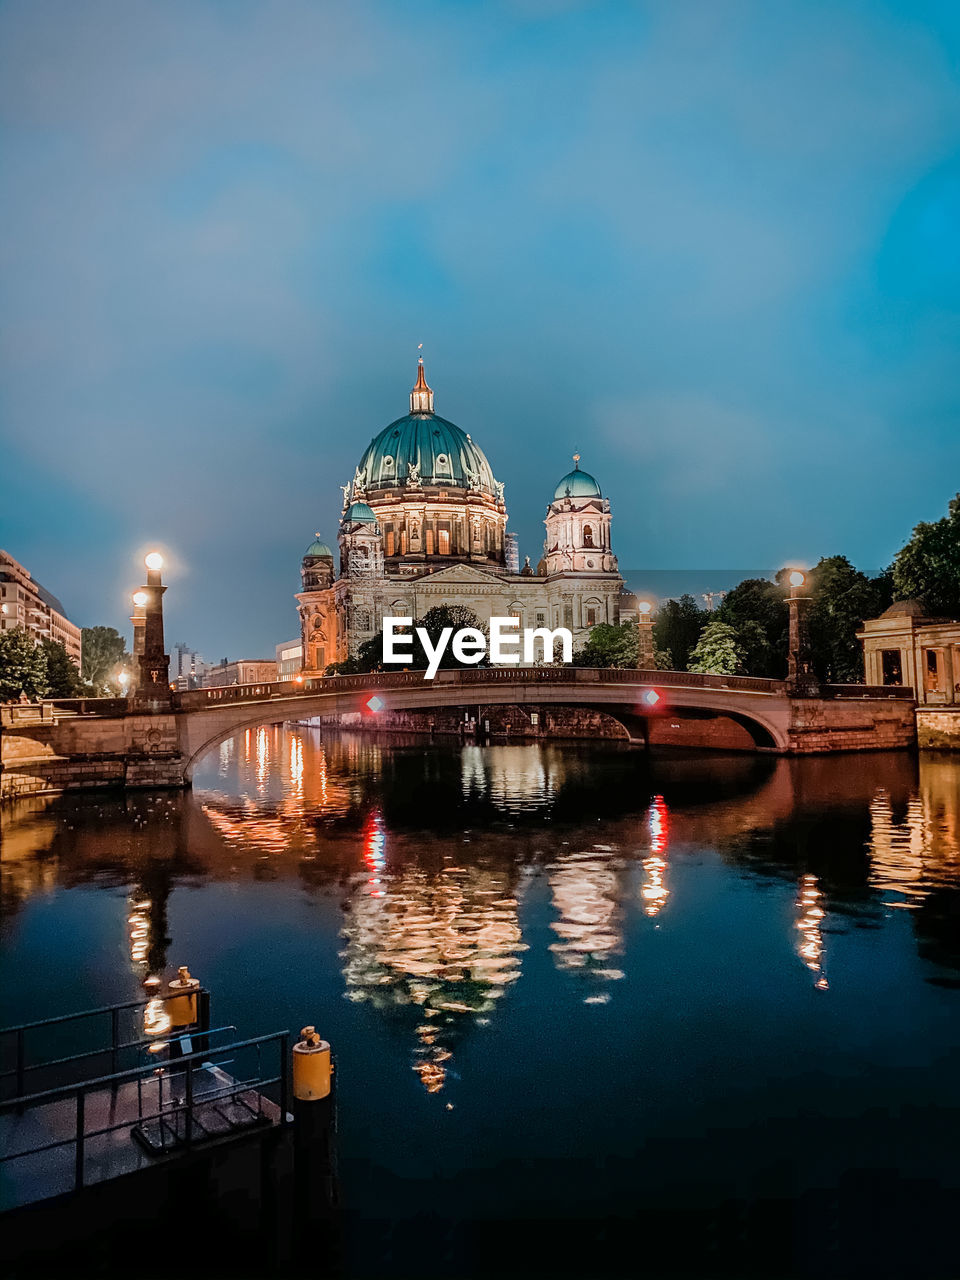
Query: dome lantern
{"x": 421, "y": 397}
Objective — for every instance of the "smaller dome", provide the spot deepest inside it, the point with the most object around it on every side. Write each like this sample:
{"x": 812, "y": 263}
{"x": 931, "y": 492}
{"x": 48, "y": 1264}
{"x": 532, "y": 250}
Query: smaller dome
{"x": 317, "y": 549}
{"x": 905, "y": 609}
{"x": 359, "y": 513}
{"x": 577, "y": 484}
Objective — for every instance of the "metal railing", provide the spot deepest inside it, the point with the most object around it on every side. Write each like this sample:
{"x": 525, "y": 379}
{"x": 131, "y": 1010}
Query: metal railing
{"x": 19, "y": 1034}
{"x": 180, "y": 1073}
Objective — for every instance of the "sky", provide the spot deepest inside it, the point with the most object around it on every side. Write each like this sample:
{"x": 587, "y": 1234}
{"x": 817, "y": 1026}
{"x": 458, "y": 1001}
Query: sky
{"x": 712, "y": 245}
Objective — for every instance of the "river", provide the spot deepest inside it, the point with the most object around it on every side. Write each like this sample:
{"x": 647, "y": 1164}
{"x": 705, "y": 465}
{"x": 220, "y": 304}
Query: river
{"x": 595, "y": 1013}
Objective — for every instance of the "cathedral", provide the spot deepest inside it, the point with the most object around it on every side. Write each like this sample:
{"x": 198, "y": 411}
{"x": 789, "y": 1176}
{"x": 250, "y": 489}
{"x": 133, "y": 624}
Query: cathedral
{"x": 424, "y": 523}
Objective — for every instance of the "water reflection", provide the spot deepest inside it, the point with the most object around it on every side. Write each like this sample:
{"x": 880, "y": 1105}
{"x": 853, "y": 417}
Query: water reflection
{"x": 445, "y": 941}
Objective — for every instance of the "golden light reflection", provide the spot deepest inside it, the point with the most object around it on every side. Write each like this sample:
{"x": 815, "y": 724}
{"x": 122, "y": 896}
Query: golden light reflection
{"x": 156, "y": 1020}
{"x": 916, "y": 850}
{"x": 654, "y": 891}
{"x": 296, "y": 765}
{"x": 447, "y": 943}
{"x": 587, "y": 894}
{"x": 809, "y": 923}
{"x": 263, "y": 758}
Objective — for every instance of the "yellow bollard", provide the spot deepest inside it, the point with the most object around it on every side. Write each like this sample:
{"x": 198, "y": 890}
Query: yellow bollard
{"x": 312, "y": 1067}
{"x": 182, "y": 1005}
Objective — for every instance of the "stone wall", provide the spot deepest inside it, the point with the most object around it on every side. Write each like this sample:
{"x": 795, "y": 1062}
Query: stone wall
{"x": 855, "y": 724}
{"x": 938, "y": 730}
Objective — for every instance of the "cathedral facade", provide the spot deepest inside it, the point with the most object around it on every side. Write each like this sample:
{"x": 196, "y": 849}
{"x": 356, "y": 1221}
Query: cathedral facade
{"x": 424, "y": 523}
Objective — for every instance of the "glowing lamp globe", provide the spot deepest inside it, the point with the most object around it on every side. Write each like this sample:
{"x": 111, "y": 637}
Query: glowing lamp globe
{"x": 140, "y": 598}
{"x": 644, "y": 606}
{"x": 797, "y": 579}
{"x": 154, "y": 560}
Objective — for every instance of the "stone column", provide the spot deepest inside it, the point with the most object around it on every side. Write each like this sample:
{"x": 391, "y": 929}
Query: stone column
{"x": 154, "y": 689}
{"x": 801, "y": 681}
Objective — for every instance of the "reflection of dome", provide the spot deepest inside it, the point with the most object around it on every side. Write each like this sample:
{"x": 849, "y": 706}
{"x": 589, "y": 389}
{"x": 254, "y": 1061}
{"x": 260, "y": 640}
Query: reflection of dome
{"x": 437, "y": 450}
{"x": 359, "y": 513}
{"x": 577, "y": 484}
{"x": 318, "y": 548}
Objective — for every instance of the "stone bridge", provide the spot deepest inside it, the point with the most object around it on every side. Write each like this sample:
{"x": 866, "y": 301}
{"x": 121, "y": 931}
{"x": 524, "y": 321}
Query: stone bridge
{"x": 83, "y": 743}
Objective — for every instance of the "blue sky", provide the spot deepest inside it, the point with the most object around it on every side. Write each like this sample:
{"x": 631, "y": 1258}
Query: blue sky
{"x": 713, "y": 246}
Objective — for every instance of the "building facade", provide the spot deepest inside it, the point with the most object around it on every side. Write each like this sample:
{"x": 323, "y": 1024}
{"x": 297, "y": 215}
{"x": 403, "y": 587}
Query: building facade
{"x": 424, "y": 523}
{"x": 243, "y": 671}
{"x": 289, "y": 659}
{"x": 24, "y": 603}
{"x": 904, "y": 647}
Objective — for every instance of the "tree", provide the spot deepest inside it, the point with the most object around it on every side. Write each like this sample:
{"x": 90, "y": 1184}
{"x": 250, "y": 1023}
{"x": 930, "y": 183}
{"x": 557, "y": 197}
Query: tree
{"x": 63, "y": 678}
{"x": 609, "y": 645}
{"x": 757, "y": 610}
{"x": 677, "y": 629}
{"x": 718, "y": 651}
{"x": 842, "y": 598}
{"x": 23, "y": 666}
{"x": 103, "y": 650}
{"x": 928, "y": 567}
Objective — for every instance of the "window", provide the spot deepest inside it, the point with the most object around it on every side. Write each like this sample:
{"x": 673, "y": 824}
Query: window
{"x": 933, "y": 670}
{"x": 892, "y": 670}
{"x": 591, "y": 617}
{"x": 403, "y": 542}
{"x": 429, "y": 540}
{"x": 541, "y": 619}
{"x": 588, "y": 535}
{"x": 391, "y": 543}
{"x": 443, "y": 541}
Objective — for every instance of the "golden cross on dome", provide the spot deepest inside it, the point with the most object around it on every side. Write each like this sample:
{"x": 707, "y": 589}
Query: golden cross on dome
{"x": 576, "y": 459}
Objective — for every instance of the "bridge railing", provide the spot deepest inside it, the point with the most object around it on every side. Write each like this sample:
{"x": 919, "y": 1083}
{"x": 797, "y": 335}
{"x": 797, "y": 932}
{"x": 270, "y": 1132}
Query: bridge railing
{"x": 900, "y": 692}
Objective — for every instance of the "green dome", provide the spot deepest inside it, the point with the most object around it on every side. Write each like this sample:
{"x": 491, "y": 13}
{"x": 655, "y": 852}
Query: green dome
{"x": 359, "y": 513}
{"x": 444, "y": 455}
{"x": 578, "y": 484}
{"x": 318, "y": 548}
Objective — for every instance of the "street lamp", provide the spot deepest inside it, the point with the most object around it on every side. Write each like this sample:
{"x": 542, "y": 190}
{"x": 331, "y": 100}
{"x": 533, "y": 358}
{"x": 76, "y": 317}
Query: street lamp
{"x": 646, "y": 658}
{"x": 153, "y": 688}
{"x": 801, "y": 679}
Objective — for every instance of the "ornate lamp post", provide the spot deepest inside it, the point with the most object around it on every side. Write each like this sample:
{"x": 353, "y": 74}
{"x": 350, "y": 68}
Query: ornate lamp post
{"x": 801, "y": 681}
{"x": 139, "y": 620}
{"x": 154, "y": 688}
{"x": 645, "y": 656}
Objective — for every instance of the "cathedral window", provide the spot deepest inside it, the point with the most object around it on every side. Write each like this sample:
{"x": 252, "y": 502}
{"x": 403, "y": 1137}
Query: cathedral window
{"x": 391, "y": 542}
{"x": 588, "y": 535}
{"x": 429, "y": 541}
{"x": 403, "y": 542}
{"x": 591, "y": 617}
{"x": 443, "y": 541}
{"x": 541, "y": 619}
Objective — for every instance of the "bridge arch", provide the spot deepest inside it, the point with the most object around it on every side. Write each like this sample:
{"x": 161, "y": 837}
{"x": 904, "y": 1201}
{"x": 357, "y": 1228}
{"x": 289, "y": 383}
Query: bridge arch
{"x": 210, "y": 716}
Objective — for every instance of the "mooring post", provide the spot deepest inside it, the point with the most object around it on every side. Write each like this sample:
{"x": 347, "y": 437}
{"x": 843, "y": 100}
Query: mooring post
{"x": 314, "y": 1122}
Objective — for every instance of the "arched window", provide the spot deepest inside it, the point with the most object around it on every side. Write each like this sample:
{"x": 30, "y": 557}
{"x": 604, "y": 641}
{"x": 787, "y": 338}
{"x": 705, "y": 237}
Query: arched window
{"x": 588, "y": 535}
{"x": 443, "y": 541}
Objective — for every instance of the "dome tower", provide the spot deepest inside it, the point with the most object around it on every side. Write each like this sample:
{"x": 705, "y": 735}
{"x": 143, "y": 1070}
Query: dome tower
{"x": 431, "y": 490}
{"x": 578, "y": 527}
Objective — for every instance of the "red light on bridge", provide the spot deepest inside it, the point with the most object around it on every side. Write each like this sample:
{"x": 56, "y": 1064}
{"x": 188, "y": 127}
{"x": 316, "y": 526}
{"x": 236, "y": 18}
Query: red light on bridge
{"x": 650, "y": 697}
{"x": 375, "y": 704}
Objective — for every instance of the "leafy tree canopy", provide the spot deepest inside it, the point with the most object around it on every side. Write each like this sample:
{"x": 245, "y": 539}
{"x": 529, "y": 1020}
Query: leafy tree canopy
{"x": 103, "y": 652}
{"x": 757, "y": 610}
{"x": 928, "y": 567}
{"x": 842, "y": 598}
{"x": 63, "y": 678}
{"x": 677, "y": 629}
{"x": 718, "y": 651}
{"x": 609, "y": 645}
{"x": 23, "y": 666}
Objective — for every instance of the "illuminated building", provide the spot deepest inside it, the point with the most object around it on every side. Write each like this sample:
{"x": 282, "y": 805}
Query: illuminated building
{"x": 24, "y": 603}
{"x": 424, "y": 523}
